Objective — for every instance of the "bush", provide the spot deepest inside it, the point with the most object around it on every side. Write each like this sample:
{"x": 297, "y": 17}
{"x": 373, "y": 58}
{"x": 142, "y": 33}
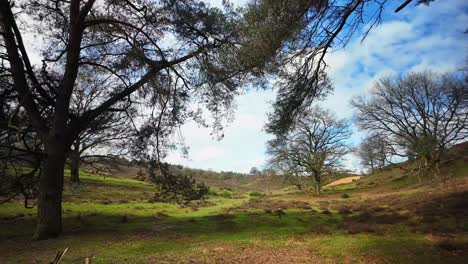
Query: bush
{"x": 345, "y": 195}
{"x": 256, "y": 194}
{"x": 225, "y": 193}
{"x": 140, "y": 176}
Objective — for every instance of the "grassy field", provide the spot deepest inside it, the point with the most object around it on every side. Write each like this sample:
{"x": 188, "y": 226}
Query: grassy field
{"x": 377, "y": 219}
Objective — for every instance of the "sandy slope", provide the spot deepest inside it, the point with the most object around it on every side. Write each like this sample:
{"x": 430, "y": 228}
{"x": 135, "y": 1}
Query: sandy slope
{"x": 343, "y": 181}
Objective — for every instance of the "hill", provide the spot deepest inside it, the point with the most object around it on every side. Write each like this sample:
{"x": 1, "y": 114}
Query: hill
{"x": 387, "y": 217}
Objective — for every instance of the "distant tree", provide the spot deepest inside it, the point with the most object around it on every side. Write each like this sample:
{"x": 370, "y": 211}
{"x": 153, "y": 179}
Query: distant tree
{"x": 105, "y": 138}
{"x": 254, "y": 171}
{"x": 314, "y": 148}
{"x": 269, "y": 172}
{"x": 373, "y": 152}
{"x": 421, "y": 114}
{"x": 100, "y": 144}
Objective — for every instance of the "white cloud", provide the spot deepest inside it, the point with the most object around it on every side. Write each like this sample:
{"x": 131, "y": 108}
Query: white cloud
{"x": 419, "y": 38}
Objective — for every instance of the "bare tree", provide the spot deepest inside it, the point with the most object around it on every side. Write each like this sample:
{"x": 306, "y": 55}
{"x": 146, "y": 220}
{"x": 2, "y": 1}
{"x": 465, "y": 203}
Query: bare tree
{"x": 374, "y": 151}
{"x": 421, "y": 114}
{"x": 314, "y": 148}
{"x": 100, "y": 144}
{"x": 105, "y": 138}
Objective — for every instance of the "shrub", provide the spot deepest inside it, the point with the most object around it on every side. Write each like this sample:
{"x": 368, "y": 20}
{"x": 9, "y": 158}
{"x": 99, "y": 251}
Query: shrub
{"x": 256, "y": 194}
{"x": 255, "y": 198}
{"x": 224, "y": 193}
{"x": 140, "y": 176}
{"x": 345, "y": 196}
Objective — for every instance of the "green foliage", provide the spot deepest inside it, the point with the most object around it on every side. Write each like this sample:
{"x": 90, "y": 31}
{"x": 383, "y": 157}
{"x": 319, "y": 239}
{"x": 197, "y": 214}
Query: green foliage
{"x": 256, "y": 194}
{"x": 221, "y": 193}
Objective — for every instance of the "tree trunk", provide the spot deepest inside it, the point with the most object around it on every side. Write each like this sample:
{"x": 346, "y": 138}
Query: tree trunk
{"x": 317, "y": 184}
{"x": 49, "y": 204}
{"x": 436, "y": 169}
{"x": 75, "y": 168}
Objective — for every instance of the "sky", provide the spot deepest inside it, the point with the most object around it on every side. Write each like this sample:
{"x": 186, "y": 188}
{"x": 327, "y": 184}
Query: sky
{"x": 417, "y": 38}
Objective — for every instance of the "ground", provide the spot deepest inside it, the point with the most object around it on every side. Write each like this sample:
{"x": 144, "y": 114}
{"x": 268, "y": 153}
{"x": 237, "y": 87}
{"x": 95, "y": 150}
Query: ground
{"x": 388, "y": 218}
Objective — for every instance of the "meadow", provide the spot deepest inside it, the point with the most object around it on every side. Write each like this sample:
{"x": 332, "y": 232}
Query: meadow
{"x": 383, "y": 218}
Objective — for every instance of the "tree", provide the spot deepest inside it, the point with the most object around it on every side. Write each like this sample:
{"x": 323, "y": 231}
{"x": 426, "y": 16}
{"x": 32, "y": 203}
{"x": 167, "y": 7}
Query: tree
{"x": 374, "y": 151}
{"x": 269, "y": 172}
{"x": 299, "y": 34}
{"x": 254, "y": 171}
{"x": 107, "y": 137}
{"x": 314, "y": 148}
{"x": 123, "y": 42}
{"x": 101, "y": 143}
{"x": 422, "y": 114}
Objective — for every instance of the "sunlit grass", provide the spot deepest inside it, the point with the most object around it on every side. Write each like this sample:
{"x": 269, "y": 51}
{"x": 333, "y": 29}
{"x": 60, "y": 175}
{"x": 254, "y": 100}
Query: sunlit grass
{"x": 110, "y": 220}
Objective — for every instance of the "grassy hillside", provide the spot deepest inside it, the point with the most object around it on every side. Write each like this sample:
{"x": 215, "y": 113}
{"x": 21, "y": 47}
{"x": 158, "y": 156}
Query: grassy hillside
{"x": 383, "y": 218}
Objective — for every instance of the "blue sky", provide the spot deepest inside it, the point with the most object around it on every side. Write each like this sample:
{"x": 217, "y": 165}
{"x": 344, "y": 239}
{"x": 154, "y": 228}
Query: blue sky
{"x": 418, "y": 38}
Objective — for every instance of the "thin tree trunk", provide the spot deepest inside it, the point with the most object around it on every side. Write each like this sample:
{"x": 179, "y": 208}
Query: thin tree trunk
{"x": 436, "y": 169}
{"x": 49, "y": 210}
{"x": 75, "y": 167}
{"x": 317, "y": 184}
{"x": 75, "y": 163}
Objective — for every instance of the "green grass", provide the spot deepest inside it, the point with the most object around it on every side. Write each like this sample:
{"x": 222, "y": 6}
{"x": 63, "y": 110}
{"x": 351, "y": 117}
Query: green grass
{"x": 94, "y": 226}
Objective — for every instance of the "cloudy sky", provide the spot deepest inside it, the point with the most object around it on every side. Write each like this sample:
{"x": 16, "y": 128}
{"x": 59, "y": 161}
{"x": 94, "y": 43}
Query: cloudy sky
{"x": 418, "y": 38}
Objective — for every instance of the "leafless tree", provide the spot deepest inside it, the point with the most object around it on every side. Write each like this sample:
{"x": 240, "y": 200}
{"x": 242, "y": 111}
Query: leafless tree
{"x": 373, "y": 152}
{"x": 421, "y": 114}
{"x": 314, "y": 148}
{"x": 105, "y": 138}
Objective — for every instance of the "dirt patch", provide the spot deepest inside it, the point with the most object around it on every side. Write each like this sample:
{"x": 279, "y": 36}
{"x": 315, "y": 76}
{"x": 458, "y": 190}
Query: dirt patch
{"x": 272, "y": 204}
{"x": 234, "y": 254}
{"x": 258, "y": 255}
{"x": 293, "y": 252}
